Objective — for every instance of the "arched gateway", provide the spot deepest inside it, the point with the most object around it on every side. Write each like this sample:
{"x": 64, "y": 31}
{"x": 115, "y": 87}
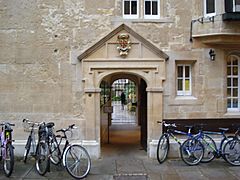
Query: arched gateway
{"x": 123, "y": 52}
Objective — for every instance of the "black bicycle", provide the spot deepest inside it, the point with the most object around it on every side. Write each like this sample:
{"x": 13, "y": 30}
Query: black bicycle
{"x": 40, "y": 151}
{"x": 231, "y": 150}
{"x": 31, "y": 144}
{"x": 45, "y": 132}
{"x": 196, "y": 149}
{"x": 74, "y": 157}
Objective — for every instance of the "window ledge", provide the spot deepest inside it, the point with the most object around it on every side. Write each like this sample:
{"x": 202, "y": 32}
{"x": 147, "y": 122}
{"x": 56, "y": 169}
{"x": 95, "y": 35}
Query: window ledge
{"x": 185, "y": 101}
{"x": 161, "y": 20}
{"x": 232, "y": 114}
{"x": 185, "y": 98}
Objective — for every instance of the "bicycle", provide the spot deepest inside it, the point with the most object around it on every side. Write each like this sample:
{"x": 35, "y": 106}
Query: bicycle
{"x": 231, "y": 150}
{"x": 42, "y": 162}
{"x": 31, "y": 141}
{"x": 74, "y": 157}
{"x": 210, "y": 148}
{"x": 164, "y": 146}
{"x": 40, "y": 150}
{"x": 7, "y": 153}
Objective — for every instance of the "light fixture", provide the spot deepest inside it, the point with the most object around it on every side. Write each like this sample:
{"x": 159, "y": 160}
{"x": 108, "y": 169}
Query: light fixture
{"x": 212, "y": 54}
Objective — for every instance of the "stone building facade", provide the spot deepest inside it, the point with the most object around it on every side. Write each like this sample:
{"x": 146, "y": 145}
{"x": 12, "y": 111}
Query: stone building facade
{"x": 55, "y": 54}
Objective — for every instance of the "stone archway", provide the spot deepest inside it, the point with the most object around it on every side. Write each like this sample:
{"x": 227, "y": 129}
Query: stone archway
{"x": 124, "y": 119}
{"x": 144, "y": 61}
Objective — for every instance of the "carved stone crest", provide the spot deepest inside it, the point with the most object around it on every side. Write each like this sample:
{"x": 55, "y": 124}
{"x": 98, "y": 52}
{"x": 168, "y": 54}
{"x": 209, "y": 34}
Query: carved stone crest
{"x": 124, "y": 44}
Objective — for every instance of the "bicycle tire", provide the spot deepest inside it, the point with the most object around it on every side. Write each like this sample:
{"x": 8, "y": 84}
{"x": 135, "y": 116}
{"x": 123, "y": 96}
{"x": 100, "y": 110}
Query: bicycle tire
{"x": 42, "y": 163}
{"x": 55, "y": 153}
{"x": 192, "y": 151}
{"x": 162, "y": 148}
{"x": 224, "y": 141}
{"x": 210, "y": 148}
{"x": 8, "y": 161}
{"x": 231, "y": 152}
{"x": 27, "y": 149}
{"x": 77, "y": 161}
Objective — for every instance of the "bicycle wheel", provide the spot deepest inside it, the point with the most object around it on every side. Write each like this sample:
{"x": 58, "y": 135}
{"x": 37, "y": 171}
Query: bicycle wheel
{"x": 42, "y": 160}
{"x": 162, "y": 148}
{"x": 192, "y": 151}
{"x": 223, "y": 143}
{"x": 8, "y": 160}
{"x": 210, "y": 148}
{"x": 27, "y": 149}
{"x": 231, "y": 152}
{"x": 77, "y": 161}
{"x": 55, "y": 153}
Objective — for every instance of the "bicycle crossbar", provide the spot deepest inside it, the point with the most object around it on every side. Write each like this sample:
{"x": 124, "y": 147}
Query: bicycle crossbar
{"x": 212, "y": 132}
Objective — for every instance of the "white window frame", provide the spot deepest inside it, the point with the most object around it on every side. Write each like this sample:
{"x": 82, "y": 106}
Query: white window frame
{"x": 205, "y": 9}
{"x": 234, "y": 6}
{"x": 152, "y": 16}
{"x": 232, "y": 109}
{"x": 184, "y": 92}
{"x": 130, "y": 16}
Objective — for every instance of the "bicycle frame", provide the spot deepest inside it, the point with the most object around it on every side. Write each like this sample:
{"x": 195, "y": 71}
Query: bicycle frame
{"x": 66, "y": 145}
{"x": 33, "y": 141}
{"x": 6, "y": 138}
{"x": 170, "y": 132}
{"x": 217, "y": 151}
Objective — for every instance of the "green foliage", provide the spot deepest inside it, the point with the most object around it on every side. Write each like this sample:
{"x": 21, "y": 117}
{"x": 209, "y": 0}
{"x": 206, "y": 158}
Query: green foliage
{"x": 116, "y": 98}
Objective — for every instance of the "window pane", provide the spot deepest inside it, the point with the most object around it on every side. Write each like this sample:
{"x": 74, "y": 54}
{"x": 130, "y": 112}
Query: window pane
{"x": 154, "y": 8}
{"x": 210, "y": 6}
{"x": 235, "y": 61}
{"x": 228, "y": 70}
{"x": 228, "y": 92}
{"x": 235, "y": 103}
{"x": 187, "y": 71}
{"x": 180, "y": 84}
{"x": 235, "y": 70}
{"x": 235, "y": 92}
{"x": 229, "y": 62}
{"x": 147, "y": 8}
{"x": 229, "y": 82}
{"x": 180, "y": 71}
{"x": 126, "y": 7}
{"x": 229, "y": 103}
{"x": 235, "y": 82}
{"x": 187, "y": 85}
{"x": 134, "y": 7}
{"x": 237, "y": 2}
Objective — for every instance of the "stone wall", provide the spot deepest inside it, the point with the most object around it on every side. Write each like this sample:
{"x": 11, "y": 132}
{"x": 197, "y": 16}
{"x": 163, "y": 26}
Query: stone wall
{"x": 41, "y": 40}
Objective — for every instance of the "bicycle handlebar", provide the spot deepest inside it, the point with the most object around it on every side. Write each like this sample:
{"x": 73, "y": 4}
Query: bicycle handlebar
{"x": 68, "y": 129}
{"x": 32, "y": 123}
{"x": 4, "y": 123}
{"x": 166, "y": 124}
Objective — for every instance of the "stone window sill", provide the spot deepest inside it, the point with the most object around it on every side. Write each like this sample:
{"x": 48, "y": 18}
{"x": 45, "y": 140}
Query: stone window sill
{"x": 185, "y": 100}
{"x": 161, "y": 20}
{"x": 232, "y": 114}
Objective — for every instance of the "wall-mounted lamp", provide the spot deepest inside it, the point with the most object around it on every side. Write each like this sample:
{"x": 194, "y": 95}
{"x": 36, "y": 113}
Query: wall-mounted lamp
{"x": 212, "y": 54}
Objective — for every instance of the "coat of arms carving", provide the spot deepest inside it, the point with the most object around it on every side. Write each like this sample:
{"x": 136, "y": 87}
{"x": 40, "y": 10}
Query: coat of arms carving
{"x": 124, "y": 44}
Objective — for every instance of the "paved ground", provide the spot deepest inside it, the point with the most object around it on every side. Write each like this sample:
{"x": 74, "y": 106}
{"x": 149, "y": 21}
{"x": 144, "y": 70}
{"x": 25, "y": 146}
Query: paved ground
{"x": 129, "y": 165}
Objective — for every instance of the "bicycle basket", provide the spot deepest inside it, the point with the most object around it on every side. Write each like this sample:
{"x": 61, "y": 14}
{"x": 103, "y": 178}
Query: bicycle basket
{"x": 27, "y": 127}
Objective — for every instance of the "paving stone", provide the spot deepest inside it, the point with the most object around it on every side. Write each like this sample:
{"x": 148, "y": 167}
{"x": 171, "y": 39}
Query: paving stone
{"x": 130, "y": 166}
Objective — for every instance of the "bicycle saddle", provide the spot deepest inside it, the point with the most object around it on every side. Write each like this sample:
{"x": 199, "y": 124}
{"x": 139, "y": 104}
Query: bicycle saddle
{"x": 223, "y": 129}
{"x": 50, "y": 124}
